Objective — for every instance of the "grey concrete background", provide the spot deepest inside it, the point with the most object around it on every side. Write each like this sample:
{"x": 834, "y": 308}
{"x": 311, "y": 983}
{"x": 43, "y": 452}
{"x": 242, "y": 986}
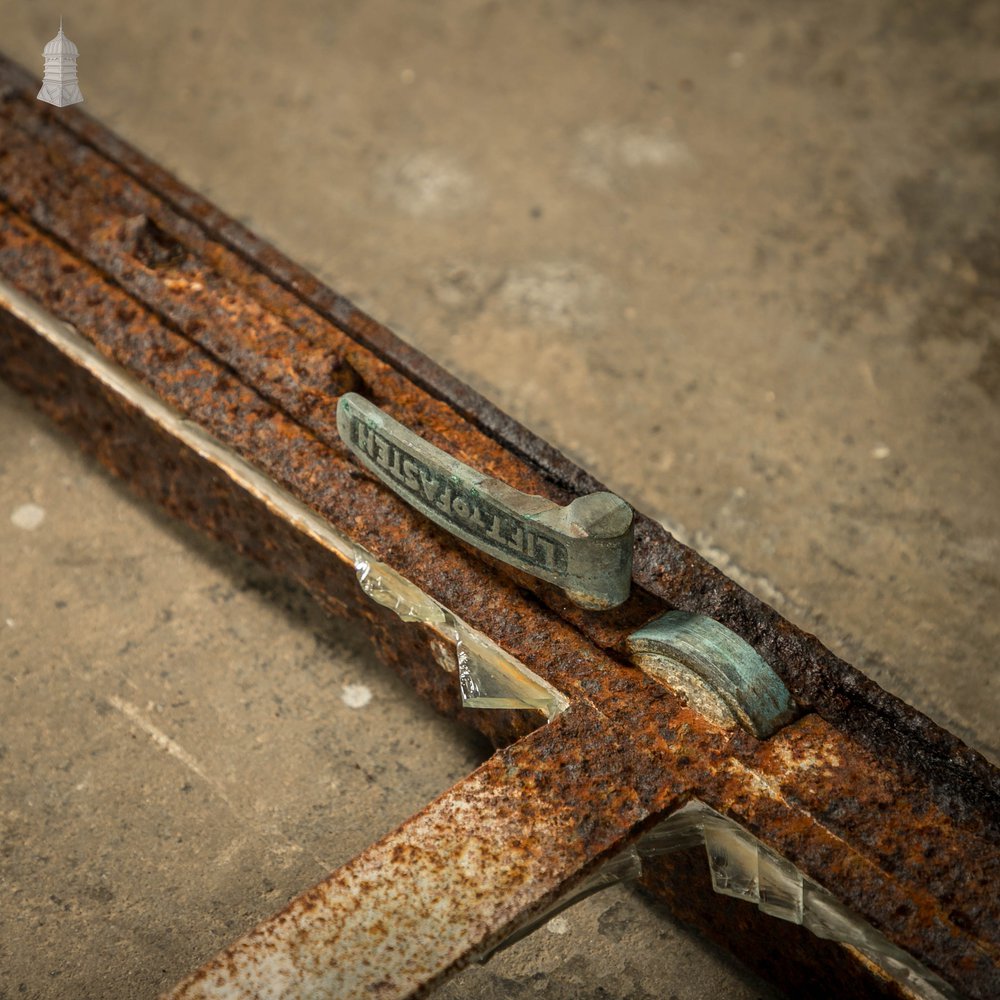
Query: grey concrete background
{"x": 742, "y": 261}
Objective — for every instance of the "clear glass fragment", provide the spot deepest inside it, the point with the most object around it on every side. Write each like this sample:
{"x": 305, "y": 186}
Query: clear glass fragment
{"x": 380, "y": 582}
{"x": 491, "y": 682}
{"x": 742, "y": 867}
{"x": 779, "y": 883}
{"x": 489, "y": 677}
{"x": 827, "y": 917}
{"x": 732, "y": 859}
{"x": 684, "y": 828}
{"x": 386, "y": 587}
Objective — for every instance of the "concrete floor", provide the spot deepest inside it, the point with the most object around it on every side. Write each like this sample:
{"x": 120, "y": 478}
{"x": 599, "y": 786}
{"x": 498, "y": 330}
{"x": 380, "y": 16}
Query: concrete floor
{"x": 742, "y": 261}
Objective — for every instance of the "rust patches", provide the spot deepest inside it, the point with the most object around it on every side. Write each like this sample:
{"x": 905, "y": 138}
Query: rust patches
{"x": 449, "y": 884}
{"x": 70, "y": 157}
{"x": 143, "y": 239}
{"x": 636, "y": 752}
{"x": 883, "y": 808}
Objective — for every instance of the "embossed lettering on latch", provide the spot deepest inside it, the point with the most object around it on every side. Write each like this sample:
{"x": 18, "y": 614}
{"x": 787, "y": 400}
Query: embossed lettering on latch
{"x": 585, "y": 547}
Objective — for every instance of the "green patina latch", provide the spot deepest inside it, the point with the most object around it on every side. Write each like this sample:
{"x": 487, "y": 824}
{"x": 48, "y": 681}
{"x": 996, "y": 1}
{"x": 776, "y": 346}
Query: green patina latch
{"x": 585, "y": 548}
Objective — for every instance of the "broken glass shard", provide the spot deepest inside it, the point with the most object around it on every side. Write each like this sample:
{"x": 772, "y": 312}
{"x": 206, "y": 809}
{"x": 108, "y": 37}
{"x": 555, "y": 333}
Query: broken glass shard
{"x": 489, "y": 677}
{"x": 387, "y": 587}
{"x": 742, "y": 867}
{"x": 780, "y": 887}
{"x": 732, "y": 859}
{"x": 491, "y": 682}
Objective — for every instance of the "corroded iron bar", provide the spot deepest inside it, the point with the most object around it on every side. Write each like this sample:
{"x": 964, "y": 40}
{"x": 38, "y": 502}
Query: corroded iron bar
{"x": 301, "y": 344}
{"x": 892, "y": 815}
{"x": 446, "y": 886}
{"x": 500, "y": 851}
{"x": 671, "y": 751}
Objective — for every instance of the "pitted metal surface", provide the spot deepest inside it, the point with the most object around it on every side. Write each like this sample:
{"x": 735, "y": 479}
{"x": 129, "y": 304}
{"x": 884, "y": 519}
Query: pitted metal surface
{"x": 894, "y": 817}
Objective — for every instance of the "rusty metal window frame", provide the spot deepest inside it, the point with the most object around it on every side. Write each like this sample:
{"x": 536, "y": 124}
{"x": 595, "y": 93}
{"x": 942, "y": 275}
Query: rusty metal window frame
{"x": 99, "y": 238}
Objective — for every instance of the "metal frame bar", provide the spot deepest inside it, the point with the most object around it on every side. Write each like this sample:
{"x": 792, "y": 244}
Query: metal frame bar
{"x": 864, "y": 795}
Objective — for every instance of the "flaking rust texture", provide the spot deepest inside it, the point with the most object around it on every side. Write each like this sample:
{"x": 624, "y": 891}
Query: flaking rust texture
{"x": 444, "y": 887}
{"x": 532, "y": 633}
{"x": 301, "y": 345}
{"x": 893, "y": 815}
